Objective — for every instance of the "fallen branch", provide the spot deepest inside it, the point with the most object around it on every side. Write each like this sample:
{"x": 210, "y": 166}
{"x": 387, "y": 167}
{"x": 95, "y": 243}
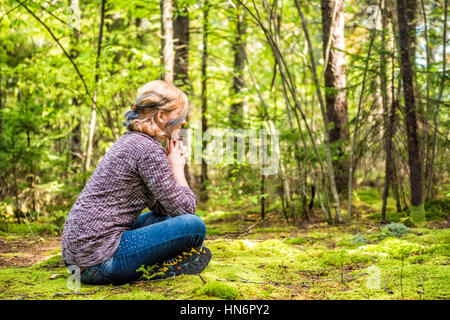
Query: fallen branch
{"x": 111, "y": 294}
{"x": 244, "y": 281}
{"x": 202, "y": 278}
{"x": 77, "y": 293}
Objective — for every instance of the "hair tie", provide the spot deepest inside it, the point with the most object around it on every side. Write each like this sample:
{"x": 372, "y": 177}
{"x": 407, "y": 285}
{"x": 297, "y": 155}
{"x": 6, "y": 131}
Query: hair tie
{"x": 130, "y": 116}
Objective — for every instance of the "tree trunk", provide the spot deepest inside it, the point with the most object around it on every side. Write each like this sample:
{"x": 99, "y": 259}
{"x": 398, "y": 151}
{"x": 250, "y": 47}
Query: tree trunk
{"x": 388, "y": 118}
{"x": 326, "y": 141}
{"x": 204, "y": 100}
{"x": 1, "y": 100}
{"x": 181, "y": 46}
{"x": 415, "y": 172}
{"x": 411, "y": 9}
{"x": 238, "y": 49}
{"x": 94, "y": 105}
{"x": 168, "y": 58}
{"x": 388, "y": 165}
{"x": 335, "y": 83}
{"x": 181, "y": 67}
{"x": 75, "y": 142}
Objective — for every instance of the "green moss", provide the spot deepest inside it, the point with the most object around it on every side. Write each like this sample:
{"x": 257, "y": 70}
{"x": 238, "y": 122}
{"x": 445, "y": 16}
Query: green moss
{"x": 392, "y": 247}
{"x": 219, "y": 290}
{"x": 359, "y": 239}
{"x": 296, "y": 240}
{"x": 369, "y": 196}
{"x": 55, "y": 260}
{"x": 36, "y": 228}
{"x": 343, "y": 258}
{"x": 320, "y": 262}
{"x": 437, "y": 209}
{"x": 393, "y": 230}
{"x": 213, "y": 232}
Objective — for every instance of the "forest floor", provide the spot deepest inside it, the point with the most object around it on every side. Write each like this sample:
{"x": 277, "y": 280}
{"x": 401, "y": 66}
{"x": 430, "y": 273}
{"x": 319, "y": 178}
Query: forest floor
{"x": 254, "y": 259}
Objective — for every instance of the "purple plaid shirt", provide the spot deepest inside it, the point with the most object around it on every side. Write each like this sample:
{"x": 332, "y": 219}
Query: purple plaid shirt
{"x": 133, "y": 175}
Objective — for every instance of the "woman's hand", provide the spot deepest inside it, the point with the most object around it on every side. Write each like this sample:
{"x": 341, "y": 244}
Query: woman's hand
{"x": 176, "y": 156}
{"x": 175, "y": 151}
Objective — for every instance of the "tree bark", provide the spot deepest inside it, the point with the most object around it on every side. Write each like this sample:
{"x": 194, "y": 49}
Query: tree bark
{"x": 326, "y": 141}
{"x": 335, "y": 83}
{"x": 1, "y": 100}
{"x": 181, "y": 46}
{"x": 410, "y": 112}
{"x": 181, "y": 67}
{"x": 238, "y": 49}
{"x": 388, "y": 118}
{"x": 204, "y": 98}
{"x": 75, "y": 142}
{"x": 168, "y": 58}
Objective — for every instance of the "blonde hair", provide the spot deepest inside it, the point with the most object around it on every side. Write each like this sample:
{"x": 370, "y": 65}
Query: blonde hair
{"x": 155, "y": 96}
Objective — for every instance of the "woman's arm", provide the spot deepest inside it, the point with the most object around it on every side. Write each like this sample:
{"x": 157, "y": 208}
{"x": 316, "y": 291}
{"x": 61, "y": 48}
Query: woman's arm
{"x": 162, "y": 175}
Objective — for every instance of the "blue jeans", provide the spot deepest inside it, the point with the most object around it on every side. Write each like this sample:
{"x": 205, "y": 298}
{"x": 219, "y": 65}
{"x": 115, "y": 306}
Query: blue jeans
{"x": 151, "y": 240}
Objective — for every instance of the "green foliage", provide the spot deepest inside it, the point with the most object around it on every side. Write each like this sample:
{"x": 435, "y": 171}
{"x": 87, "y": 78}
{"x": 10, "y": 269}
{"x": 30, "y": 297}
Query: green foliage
{"x": 37, "y": 228}
{"x": 359, "y": 239}
{"x": 149, "y": 272}
{"x": 393, "y": 230}
{"x": 437, "y": 209}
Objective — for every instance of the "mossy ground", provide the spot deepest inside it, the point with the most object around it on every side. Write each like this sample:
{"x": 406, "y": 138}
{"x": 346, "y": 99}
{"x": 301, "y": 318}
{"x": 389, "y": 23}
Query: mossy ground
{"x": 271, "y": 260}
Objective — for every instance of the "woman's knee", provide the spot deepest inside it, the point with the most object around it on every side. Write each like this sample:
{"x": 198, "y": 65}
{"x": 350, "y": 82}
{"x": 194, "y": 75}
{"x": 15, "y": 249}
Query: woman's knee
{"x": 194, "y": 224}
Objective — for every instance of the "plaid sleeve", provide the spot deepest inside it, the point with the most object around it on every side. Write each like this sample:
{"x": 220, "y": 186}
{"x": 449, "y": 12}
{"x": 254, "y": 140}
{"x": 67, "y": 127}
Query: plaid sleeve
{"x": 155, "y": 171}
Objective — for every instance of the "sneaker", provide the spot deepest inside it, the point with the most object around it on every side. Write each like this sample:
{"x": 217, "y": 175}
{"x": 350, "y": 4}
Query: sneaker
{"x": 188, "y": 262}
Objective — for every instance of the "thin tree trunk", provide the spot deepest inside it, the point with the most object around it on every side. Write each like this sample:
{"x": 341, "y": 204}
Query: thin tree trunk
{"x": 238, "y": 48}
{"x": 75, "y": 142}
{"x": 388, "y": 165}
{"x": 168, "y": 58}
{"x": 411, "y": 12}
{"x": 181, "y": 67}
{"x": 94, "y": 111}
{"x": 1, "y": 100}
{"x": 335, "y": 83}
{"x": 415, "y": 172}
{"x": 263, "y": 202}
{"x": 395, "y": 187}
{"x": 326, "y": 143}
{"x": 204, "y": 100}
{"x": 181, "y": 46}
{"x": 388, "y": 119}
{"x": 427, "y": 109}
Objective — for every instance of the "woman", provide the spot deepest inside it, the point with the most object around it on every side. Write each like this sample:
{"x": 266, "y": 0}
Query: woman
{"x": 104, "y": 234}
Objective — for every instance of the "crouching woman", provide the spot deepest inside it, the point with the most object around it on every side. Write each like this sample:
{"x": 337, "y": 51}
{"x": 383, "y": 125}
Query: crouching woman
{"x": 105, "y": 235}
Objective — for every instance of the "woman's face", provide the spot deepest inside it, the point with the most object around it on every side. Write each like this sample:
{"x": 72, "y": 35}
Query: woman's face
{"x": 171, "y": 121}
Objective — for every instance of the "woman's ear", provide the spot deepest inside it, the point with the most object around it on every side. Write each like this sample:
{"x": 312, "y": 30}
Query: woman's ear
{"x": 161, "y": 117}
